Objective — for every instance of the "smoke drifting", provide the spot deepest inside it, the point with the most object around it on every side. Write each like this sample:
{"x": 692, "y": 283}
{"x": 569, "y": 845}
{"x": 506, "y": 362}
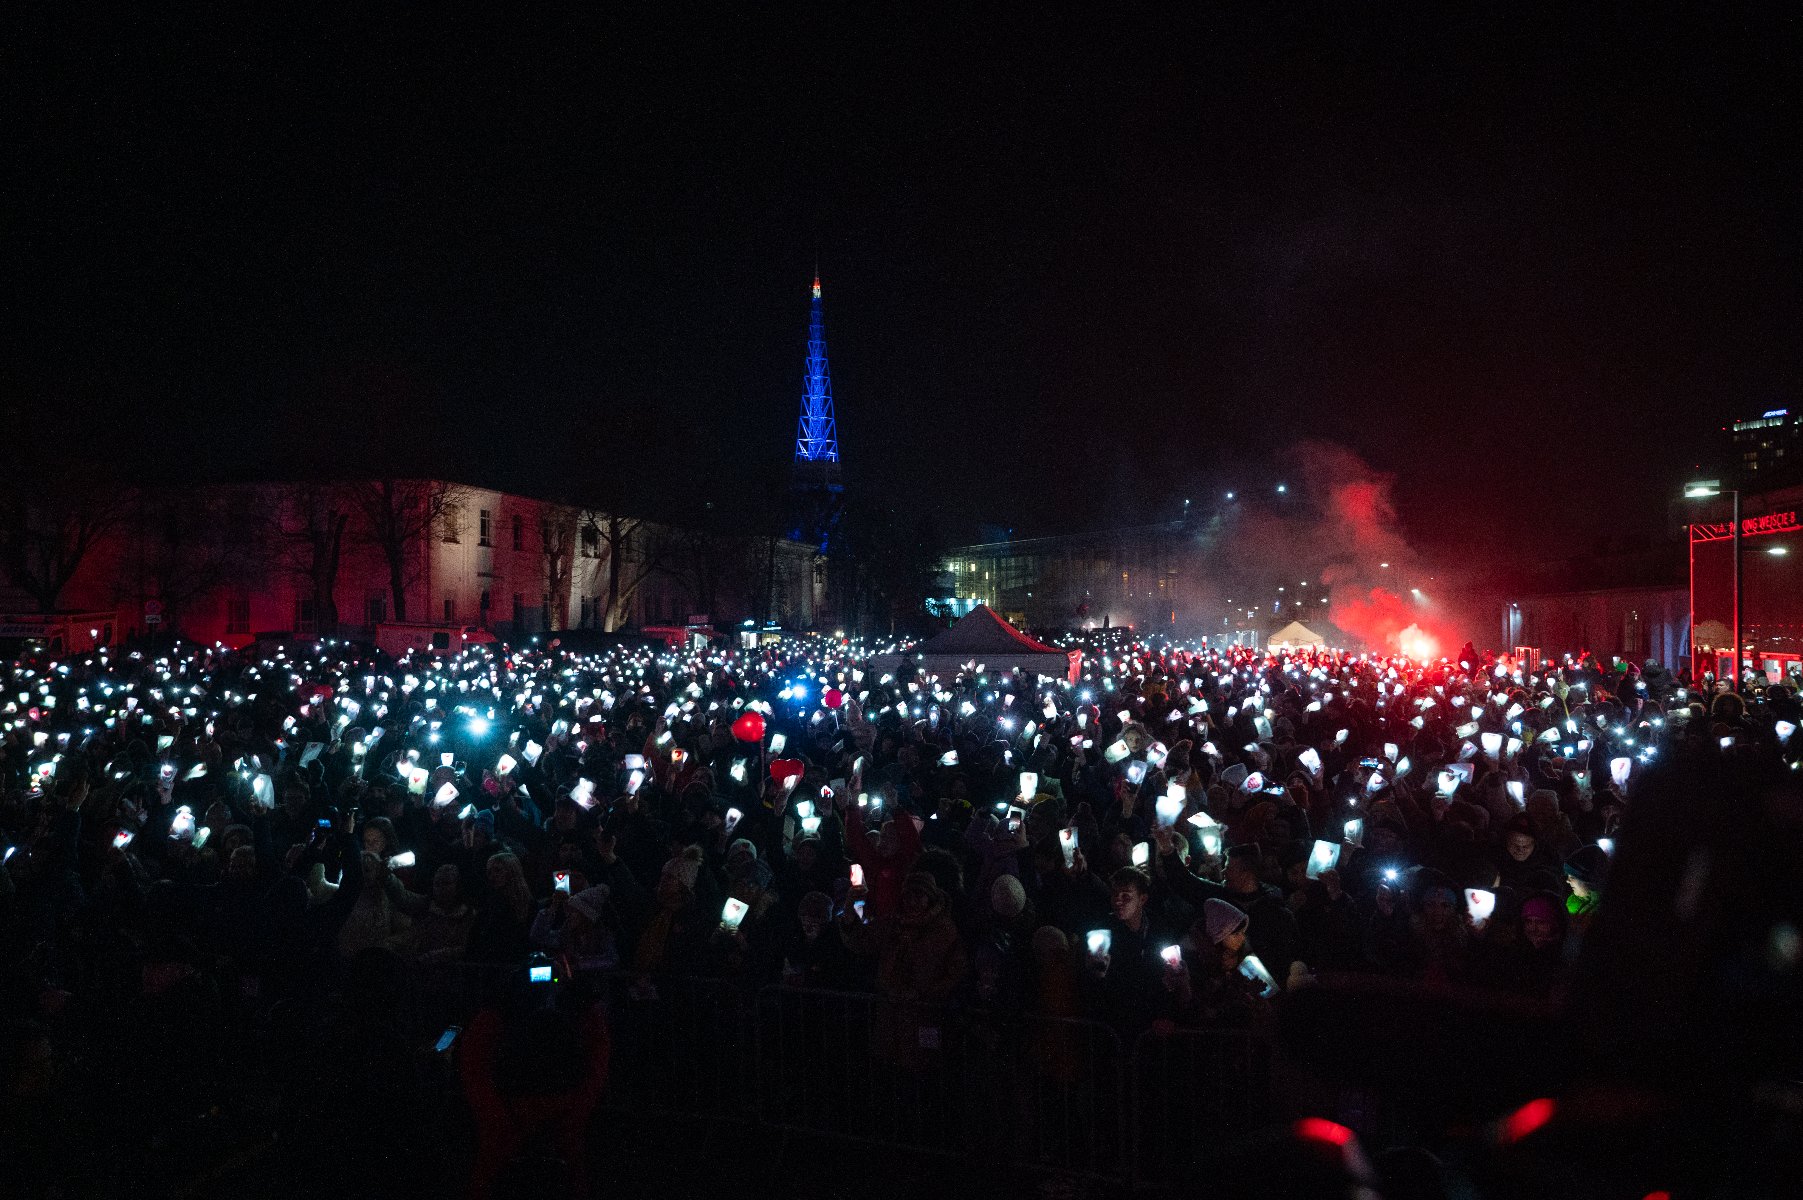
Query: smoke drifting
{"x": 1337, "y": 549}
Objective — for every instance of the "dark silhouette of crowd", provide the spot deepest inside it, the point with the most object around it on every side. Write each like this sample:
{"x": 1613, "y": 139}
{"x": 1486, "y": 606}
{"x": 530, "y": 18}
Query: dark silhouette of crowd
{"x": 205, "y": 848}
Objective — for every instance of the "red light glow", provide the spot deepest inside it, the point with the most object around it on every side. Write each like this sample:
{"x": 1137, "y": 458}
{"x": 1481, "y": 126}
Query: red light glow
{"x": 1528, "y": 1118}
{"x": 1318, "y": 1129}
{"x": 1418, "y": 644}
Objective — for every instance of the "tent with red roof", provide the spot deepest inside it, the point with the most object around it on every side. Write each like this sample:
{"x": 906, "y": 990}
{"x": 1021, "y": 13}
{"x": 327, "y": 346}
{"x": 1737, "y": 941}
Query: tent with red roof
{"x": 982, "y": 639}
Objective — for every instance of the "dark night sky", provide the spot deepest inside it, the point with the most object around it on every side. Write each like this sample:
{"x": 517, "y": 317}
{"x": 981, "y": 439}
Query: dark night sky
{"x": 1073, "y": 272}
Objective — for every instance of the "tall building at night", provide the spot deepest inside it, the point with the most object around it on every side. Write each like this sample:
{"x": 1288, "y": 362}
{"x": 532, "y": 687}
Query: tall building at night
{"x": 817, "y": 491}
{"x": 1767, "y": 449}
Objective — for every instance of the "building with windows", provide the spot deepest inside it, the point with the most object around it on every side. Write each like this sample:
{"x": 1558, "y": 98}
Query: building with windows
{"x": 1767, "y": 449}
{"x": 228, "y": 562}
{"x": 1117, "y": 577}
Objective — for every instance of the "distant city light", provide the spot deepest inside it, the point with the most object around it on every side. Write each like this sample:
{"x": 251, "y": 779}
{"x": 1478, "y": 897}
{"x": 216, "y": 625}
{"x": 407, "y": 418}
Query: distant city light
{"x": 1283, "y": 489}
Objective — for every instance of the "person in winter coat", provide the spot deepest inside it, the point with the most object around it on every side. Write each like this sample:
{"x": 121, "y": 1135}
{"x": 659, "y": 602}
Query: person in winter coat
{"x": 1127, "y": 979}
{"x": 815, "y": 954}
{"x": 886, "y": 861}
{"x": 920, "y": 960}
{"x": 500, "y": 933}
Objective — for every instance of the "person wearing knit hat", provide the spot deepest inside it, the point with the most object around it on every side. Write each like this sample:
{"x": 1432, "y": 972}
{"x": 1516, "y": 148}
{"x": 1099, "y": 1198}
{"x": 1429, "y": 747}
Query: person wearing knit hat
{"x": 589, "y": 901}
{"x": 1007, "y": 898}
{"x": 1223, "y": 921}
{"x": 573, "y": 928}
{"x": 682, "y": 871}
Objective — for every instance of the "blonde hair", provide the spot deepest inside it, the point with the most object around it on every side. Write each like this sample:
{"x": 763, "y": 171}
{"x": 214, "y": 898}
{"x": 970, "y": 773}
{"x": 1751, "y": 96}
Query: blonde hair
{"x": 514, "y": 889}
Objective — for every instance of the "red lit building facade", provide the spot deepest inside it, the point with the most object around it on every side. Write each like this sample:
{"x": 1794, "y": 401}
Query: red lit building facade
{"x": 228, "y": 562}
{"x": 1771, "y": 584}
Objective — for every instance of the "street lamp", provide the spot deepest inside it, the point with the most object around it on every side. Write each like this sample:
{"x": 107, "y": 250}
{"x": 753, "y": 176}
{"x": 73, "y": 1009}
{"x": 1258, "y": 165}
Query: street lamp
{"x": 1703, "y": 489}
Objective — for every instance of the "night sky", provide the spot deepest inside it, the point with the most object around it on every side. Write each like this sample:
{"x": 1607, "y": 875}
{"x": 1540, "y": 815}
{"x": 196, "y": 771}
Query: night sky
{"x": 1073, "y": 272}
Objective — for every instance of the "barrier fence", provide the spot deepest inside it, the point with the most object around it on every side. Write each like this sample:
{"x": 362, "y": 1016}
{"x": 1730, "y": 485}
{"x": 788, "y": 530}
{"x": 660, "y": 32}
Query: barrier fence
{"x": 1042, "y": 1092}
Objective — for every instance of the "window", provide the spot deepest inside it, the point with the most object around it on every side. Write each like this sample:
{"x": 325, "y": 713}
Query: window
{"x": 484, "y": 527}
{"x": 519, "y": 610}
{"x": 306, "y": 615}
{"x": 519, "y": 533}
{"x": 450, "y": 610}
{"x": 237, "y": 615}
{"x": 453, "y": 522}
{"x": 482, "y": 604}
{"x": 591, "y": 542}
{"x": 585, "y": 612}
{"x": 375, "y": 609}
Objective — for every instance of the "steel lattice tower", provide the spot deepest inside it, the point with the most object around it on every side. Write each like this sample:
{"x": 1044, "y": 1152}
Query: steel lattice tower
{"x": 816, "y": 437}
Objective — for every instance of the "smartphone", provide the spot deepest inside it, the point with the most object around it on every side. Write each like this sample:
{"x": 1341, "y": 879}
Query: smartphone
{"x": 1067, "y": 841}
{"x": 1324, "y": 857}
{"x": 1100, "y": 941}
{"x": 733, "y": 817}
{"x": 538, "y": 973}
{"x": 732, "y": 913}
{"x": 777, "y": 742}
{"x": 1172, "y": 955}
{"x": 201, "y": 835}
{"x": 405, "y": 858}
{"x": 122, "y": 839}
{"x": 560, "y": 881}
{"x": 1256, "y": 972}
{"x": 1480, "y": 904}
{"x": 857, "y": 906}
{"x": 857, "y": 875}
{"x": 445, "y": 1039}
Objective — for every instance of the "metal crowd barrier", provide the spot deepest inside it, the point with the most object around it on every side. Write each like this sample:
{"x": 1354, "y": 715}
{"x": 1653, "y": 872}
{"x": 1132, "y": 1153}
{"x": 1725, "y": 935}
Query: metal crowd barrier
{"x": 1194, "y": 1089}
{"x": 1040, "y": 1092}
{"x": 940, "y": 1080}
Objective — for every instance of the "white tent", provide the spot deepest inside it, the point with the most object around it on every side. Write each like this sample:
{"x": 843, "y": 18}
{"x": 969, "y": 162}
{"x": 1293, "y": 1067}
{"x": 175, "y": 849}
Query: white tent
{"x": 1295, "y": 634}
{"x": 983, "y": 639}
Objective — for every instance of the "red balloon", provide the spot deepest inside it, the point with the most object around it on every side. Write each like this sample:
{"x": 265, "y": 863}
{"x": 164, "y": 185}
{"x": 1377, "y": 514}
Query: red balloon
{"x": 833, "y": 698}
{"x": 749, "y": 728}
{"x": 782, "y": 769}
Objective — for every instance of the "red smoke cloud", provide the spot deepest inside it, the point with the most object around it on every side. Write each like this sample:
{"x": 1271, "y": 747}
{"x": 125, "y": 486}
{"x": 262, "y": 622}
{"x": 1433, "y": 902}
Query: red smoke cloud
{"x": 1385, "y": 622}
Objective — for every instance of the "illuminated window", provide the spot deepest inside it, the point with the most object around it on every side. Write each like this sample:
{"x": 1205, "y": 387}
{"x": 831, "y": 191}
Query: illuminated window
{"x": 483, "y": 528}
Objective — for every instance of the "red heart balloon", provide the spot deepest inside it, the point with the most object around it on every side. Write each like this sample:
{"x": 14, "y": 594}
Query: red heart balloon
{"x": 749, "y": 728}
{"x": 783, "y": 769}
{"x": 833, "y": 698}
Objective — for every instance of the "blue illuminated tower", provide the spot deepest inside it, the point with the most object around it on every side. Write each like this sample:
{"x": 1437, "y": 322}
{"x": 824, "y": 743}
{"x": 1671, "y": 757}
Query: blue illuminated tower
{"x": 816, "y": 438}
{"x": 814, "y": 479}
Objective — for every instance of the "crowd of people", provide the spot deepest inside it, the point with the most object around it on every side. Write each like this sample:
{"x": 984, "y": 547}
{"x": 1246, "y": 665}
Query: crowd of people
{"x": 1173, "y": 838}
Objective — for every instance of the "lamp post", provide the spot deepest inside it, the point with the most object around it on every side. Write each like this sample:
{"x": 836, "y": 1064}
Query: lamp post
{"x": 1702, "y": 489}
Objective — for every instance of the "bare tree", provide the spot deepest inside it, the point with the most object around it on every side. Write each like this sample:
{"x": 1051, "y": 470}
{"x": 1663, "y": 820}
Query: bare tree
{"x": 630, "y": 551}
{"x": 310, "y": 522}
{"x": 187, "y": 544}
{"x": 557, "y": 541}
{"x": 48, "y": 529}
{"x": 399, "y": 515}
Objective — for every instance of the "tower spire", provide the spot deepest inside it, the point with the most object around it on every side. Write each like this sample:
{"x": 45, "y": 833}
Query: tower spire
{"x": 816, "y": 435}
